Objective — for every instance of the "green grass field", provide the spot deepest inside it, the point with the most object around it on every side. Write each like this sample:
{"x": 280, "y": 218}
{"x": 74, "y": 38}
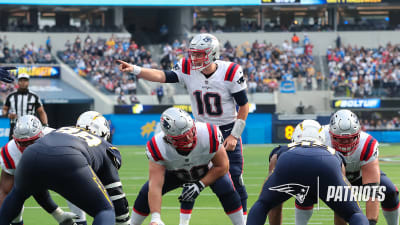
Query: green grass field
{"x": 208, "y": 210}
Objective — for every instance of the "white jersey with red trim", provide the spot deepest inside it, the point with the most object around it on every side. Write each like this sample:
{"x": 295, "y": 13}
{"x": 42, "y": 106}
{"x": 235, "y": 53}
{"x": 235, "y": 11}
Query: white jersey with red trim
{"x": 366, "y": 152}
{"x": 211, "y": 98}
{"x": 196, "y": 164}
{"x": 10, "y": 154}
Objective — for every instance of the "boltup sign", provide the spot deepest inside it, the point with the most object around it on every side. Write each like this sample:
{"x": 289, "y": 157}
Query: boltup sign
{"x": 357, "y": 103}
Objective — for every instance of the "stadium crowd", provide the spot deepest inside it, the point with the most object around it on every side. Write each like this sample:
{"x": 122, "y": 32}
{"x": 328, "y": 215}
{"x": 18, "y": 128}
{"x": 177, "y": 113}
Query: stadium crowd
{"x": 28, "y": 54}
{"x": 264, "y": 64}
{"x": 95, "y": 60}
{"x": 363, "y": 72}
{"x": 380, "y": 124}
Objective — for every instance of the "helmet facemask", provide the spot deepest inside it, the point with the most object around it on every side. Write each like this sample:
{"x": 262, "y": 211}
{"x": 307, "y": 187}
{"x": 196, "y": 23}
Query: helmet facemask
{"x": 23, "y": 143}
{"x": 185, "y": 142}
{"x": 344, "y": 130}
{"x": 200, "y": 58}
{"x": 26, "y": 131}
{"x": 346, "y": 144}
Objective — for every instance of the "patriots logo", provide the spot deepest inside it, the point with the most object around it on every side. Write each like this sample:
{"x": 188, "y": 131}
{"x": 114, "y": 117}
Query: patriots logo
{"x": 165, "y": 124}
{"x": 296, "y": 190}
{"x": 206, "y": 39}
{"x": 177, "y": 67}
{"x": 241, "y": 80}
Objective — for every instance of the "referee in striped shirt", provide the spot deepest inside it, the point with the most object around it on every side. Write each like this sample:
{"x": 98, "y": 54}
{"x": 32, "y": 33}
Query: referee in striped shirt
{"x": 23, "y": 102}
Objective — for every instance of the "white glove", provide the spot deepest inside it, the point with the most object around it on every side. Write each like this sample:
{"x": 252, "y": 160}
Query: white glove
{"x": 191, "y": 191}
{"x": 64, "y": 218}
{"x": 156, "y": 218}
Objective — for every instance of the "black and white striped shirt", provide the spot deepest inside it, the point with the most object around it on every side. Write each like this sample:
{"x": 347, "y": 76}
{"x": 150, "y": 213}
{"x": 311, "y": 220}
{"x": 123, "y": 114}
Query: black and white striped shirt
{"x": 23, "y": 103}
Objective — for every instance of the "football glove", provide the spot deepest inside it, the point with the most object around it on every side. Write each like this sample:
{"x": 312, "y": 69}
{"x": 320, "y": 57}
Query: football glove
{"x": 64, "y": 218}
{"x": 191, "y": 191}
{"x": 5, "y": 76}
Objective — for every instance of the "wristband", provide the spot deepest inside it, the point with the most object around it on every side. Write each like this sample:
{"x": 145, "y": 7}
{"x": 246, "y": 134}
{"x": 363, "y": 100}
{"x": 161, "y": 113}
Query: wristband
{"x": 155, "y": 217}
{"x": 57, "y": 214}
{"x": 238, "y": 128}
{"x": 136, "y": 70}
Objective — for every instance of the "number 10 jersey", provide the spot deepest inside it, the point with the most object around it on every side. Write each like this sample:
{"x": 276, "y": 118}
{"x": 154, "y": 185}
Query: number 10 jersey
{"x": 211, "y": 98}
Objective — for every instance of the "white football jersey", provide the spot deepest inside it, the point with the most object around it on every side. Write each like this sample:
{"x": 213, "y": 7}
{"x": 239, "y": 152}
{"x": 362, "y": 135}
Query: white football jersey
{"x": 211, "y": 98}
{"x": 366, "y": 152}
{"x": 11, "y": 155}
{"x": 196, "y": 164}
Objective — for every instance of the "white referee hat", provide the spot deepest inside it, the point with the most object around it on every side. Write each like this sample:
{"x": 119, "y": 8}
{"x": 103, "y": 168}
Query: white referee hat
{"x": 23, "y": 75}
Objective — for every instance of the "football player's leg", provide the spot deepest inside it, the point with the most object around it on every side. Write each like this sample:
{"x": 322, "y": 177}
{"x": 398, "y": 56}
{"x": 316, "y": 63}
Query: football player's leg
{"x": 18, "y": 220}
{"x": 186, "y": 212}
{"x": 348, "y": 208}
{"x": 12, "y": 205}
{"x": 390, "y": 206}
{"x": 141, "y": 206}
{"x": 229, "y": 198}
{"x": 79, "y": 212}
{"x": 84, "y": 189}
{"x": 266, "y": 201}
{"x": 236, "y": 171}
{"x": 303, "y": 211}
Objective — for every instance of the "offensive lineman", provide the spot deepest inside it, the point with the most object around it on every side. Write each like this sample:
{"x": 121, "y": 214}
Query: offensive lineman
{"x": 297, "y": 169}
{"x": 186, "y": 154}
{"x": 360, "y": 151}
{"x": 215, "y": 88}
{"x": 90, "y": 162}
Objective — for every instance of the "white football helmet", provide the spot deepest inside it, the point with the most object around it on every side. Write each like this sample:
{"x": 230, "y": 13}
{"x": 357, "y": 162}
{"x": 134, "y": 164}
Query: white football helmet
{"x": 344, "y": 129}
{"x": 203, "y": 50}
{"x": 94, "y": 122}
{"x": 308, "y": 130}
{"x": 27, "y": 130}
{"x": 179, "y": 130}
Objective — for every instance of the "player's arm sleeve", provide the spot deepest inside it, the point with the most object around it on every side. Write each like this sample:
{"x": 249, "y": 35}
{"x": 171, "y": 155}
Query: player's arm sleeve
{"x": 273, "y": 152}
{"x": 178, "y": 71}
{"x": 44, "y": 199}
{"x": 171, "y": 77}
{"x": 370, "y": 151}
{"x": 120, "y": 202}
{"x": 240, "y": 97}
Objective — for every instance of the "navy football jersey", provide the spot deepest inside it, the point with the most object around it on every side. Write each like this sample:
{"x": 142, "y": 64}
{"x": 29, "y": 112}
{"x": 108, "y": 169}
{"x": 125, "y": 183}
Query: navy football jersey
{"x": 94, "y": 148}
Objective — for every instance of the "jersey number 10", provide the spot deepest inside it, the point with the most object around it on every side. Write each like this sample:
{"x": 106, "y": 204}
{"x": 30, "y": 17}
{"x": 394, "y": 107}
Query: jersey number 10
{"x": 205, "y": 100}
